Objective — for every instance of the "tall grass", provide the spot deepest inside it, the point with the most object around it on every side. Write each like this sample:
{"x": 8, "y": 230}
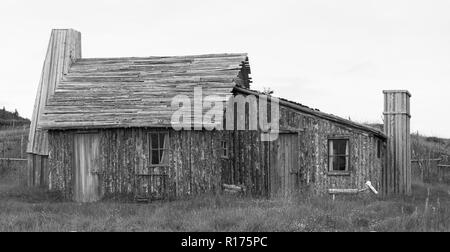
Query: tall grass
{"x": 24, "y": 209}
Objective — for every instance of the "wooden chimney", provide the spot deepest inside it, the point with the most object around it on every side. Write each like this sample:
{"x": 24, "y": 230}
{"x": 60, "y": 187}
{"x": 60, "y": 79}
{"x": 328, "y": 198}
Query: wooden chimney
{"x": 397, "y": 171}
{"x": 64, "y": 48}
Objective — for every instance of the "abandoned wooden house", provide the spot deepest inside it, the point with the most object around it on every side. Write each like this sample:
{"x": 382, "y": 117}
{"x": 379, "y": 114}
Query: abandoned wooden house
{"x": 102, "y": 128}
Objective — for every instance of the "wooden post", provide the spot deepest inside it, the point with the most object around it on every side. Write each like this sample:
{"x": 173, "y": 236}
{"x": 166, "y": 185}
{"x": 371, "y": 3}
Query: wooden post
{"x": 21, "y": 146}
{"x": 30, "y": 170}
{"x": 397, "y": 176}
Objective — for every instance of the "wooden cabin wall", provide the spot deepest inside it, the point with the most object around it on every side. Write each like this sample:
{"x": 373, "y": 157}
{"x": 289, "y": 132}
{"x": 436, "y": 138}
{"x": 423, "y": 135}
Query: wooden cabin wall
{"x": 195, "y": 162}
{"x": 252, "y": 161}
{"x": 313, "y": 154}
{"x": 60, "y": 162}
{"x": 37, "y": 170}
{"x": 249, "y": 162}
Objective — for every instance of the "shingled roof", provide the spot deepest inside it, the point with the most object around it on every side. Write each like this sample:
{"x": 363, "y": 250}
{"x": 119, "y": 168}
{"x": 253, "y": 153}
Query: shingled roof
{"x": 137, "y": 92}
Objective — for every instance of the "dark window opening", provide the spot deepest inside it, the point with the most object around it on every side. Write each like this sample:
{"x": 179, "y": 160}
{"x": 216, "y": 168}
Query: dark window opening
{"x": 338, "y": 154}
{"x": 224, "y": 149}
{"x": 158, "y": 148}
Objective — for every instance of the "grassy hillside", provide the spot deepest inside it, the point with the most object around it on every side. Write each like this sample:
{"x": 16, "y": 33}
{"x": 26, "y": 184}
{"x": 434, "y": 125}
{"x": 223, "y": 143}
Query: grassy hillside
{"x": 425, "y": 147}
{"x": 11, "y": 119}
{"x": 427, "y": 154}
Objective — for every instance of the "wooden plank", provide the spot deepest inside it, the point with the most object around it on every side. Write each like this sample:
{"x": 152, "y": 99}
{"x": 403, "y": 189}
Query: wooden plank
{"x": 30, "y": 169}
{"x": 86, "y": 168}
{"x": 14, "y": 159}
{"x": 37, "y": 170}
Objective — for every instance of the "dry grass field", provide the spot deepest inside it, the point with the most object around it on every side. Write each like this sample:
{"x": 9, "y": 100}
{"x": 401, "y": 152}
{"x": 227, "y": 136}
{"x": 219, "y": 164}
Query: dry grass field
{"x": 23, "y": 209}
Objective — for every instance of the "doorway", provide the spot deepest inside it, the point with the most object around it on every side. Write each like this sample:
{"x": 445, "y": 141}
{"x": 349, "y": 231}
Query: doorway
{"x": 86, "y": 165}
{"x": 285, "y": 166}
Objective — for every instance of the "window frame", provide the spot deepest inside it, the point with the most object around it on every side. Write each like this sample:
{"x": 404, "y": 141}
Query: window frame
{"x": 150, "y": 148}
{"x": 224, "y": 149}
{"x": 347, "y": 156}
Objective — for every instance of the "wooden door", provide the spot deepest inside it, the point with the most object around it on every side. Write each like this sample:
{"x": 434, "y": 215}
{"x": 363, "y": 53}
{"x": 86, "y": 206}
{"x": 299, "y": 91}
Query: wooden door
{"x": 285, "y": 167}
{"x": 86, "y": 179}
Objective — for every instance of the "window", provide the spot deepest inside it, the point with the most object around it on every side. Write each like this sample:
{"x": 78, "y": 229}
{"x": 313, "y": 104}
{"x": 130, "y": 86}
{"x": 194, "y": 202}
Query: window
{"x": 338, "y": 155}
{"x": 158, "y": 143}
{"x": 224, "y": 149}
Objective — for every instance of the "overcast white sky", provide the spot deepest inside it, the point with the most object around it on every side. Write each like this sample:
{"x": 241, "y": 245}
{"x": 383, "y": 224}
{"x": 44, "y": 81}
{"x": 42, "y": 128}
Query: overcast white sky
{"x": 336, "y": 56}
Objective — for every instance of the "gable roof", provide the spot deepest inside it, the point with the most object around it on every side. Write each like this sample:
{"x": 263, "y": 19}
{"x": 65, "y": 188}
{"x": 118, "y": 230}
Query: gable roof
{"x": 137, "y": 92}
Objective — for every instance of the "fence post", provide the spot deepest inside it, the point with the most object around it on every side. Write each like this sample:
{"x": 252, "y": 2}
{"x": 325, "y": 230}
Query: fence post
{"x": 21, "y": 146}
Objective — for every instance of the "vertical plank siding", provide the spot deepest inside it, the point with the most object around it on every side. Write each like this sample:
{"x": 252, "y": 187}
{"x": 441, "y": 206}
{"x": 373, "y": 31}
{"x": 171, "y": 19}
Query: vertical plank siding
{"x": 313, "y": 153}
{"x": 86, "y": 182}
{"x": 397, "y": 128}
{"x": 196, "y": 164}
{"x": 254, "y": 163}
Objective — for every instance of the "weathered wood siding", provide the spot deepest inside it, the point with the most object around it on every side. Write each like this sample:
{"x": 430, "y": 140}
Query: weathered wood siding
{"x": 196, "y": 165}
{"x": 285, "y": 167}
{"x": 313, "y": 152}
{"x": 86, "y": 177}
{"x": 255, "y": 164}
{"x": 397, "y": 179}
{"x": 249, "y": 163}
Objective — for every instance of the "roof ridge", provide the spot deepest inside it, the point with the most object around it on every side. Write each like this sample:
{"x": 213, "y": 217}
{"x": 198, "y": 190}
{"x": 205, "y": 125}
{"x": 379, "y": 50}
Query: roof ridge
{"x": 216, "y": 55}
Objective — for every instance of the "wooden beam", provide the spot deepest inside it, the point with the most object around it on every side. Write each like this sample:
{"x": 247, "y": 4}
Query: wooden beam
{"x": 426, "y": 160}
{"x": 14, "y": 159}
{"x": 344, "y": 191}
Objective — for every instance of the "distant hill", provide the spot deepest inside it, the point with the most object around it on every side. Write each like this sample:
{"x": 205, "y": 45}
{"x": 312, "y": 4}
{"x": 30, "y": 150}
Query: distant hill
{"x": 422, "y": 146}
{"x": 11, "y": 119}
{"x": 429, "y": 147}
